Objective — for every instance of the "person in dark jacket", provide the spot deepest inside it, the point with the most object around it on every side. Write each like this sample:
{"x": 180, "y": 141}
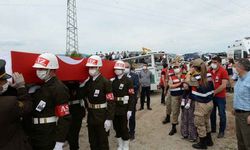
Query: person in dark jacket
{"x": 100, "y": 103}
{"x": 123, "y": 90}
{"x": 13, "y": 108}
{"x": 50, "y": 117}
{"x": 77, "y": 112}
{"x": 131, "y": 74}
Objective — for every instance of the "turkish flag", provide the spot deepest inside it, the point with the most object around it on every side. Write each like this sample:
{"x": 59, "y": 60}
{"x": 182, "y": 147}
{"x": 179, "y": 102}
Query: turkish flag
{"x": 69, "y": 69}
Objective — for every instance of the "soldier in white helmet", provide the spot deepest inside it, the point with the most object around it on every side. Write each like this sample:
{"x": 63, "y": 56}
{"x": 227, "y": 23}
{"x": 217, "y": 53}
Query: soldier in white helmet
{"x": 123, "y": 90}
{"x": 97, "y": 92}
{"x": 50, "y": 116}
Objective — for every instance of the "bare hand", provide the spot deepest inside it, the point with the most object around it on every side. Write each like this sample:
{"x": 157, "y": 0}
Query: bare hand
{"x": 248, "y": 120}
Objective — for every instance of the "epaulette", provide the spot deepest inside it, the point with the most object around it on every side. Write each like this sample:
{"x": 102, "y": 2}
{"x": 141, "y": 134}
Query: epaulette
{"x": 83, "y": 84}
{"x": 33, "y": 89}
{"x": 112, "y": 79}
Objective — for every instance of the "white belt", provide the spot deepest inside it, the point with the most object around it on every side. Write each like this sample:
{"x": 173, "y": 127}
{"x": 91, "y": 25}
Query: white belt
{"x": 97, "y": 106}
{"x": 76, "y": 102}
{"x": 124, "y": 99}
{"x": 44, "y": 120}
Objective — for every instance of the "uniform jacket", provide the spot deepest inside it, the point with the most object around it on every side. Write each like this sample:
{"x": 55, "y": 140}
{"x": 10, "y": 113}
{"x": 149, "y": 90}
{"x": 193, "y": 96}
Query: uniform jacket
{"x": 55, "y": 94}
{"x": 98, "y": 91}
{"x": 123, "y": 87}
{"x": 12, "y": 136}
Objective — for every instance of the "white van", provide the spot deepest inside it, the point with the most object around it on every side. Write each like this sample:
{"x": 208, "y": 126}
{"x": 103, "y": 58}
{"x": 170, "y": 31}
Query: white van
{"x": 239, "y": 49}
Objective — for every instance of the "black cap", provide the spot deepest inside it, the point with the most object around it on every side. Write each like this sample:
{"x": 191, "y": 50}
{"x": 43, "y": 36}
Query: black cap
{"x": 3, "y": 74}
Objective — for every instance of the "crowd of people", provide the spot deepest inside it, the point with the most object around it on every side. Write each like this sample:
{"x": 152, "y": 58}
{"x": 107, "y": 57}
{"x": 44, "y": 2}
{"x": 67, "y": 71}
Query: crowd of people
{"x": 43, "y": 117}
{"x": 198, "y": 92}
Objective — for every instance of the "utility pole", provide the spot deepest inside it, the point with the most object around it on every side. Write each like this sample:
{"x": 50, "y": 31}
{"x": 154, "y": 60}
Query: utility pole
{"x": 72, "y": 30}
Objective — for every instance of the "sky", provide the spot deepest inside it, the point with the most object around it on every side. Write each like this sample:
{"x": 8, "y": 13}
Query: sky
{"x": 175, "y": 26}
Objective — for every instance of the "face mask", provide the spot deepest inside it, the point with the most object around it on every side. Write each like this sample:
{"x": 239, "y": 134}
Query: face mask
{"x": 5, "y": 87}
{"x": 127, "y": 70}
{"x": 118, "y": 72}
{"x": 177, "y": 70}
{"x": 43, "y": 74}
{"x": 214, "y": 66}
{"x": 93, "y": 72}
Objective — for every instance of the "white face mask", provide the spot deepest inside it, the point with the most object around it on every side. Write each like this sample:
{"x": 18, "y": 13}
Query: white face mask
{"x": 127, "y": 70}
{"x": 43, "y": 74}
{"x": 214, "y": 66}
{"x": 93, "y": 72}
{"x": 4, "y": 87}
{"x": 177, "y": 70}
{"x": 118, "y": 72}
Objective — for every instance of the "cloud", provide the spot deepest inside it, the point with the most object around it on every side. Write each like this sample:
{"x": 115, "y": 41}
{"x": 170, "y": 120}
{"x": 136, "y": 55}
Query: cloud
{"x": 109, "y": 25}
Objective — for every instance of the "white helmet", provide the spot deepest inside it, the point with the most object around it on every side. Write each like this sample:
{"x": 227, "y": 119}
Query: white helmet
{"x": 119, "y": 64}
{"x": 46, "y": 61}
{"x": 94, "y": 61}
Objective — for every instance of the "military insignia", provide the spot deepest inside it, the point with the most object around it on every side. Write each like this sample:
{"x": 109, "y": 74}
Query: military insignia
{"x": 110, "y": 97}
{"x": 121, "y": 86}
{"x": 62, "y": 110}
{"x": 96, "y": 93}
{"x": 131, "y": 91}
{"x": 41, "y": 106}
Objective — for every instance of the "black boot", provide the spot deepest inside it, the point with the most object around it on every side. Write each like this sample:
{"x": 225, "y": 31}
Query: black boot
{"x": 209, "y": 140}
{"x": 173, "y": 130}
{"x": 201, "y": 145}
{"x": 167, "y": 119}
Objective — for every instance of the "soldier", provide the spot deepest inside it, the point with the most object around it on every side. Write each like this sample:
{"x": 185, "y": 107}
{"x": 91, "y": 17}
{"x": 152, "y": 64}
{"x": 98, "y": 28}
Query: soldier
{"x": 124, "y": 94}
{"x": 12, "y": 108}
{"x": 176, "y": 91}
{"x": 77, "y": 112}
{"x": 97, "y": 91}
{"x": 130, "y": 71}
{"x": 50, "y": 116}
{"x": 168, "y": 100}
{"x": 202, "y": 94}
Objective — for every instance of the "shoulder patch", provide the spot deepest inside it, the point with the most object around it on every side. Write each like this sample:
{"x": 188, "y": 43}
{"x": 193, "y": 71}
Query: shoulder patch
{"x": 83, "y": 84}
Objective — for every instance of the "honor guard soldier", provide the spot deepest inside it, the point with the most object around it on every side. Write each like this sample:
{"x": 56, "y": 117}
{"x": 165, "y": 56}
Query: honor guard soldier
{"x": 97, "y": 91}
{"x": 176, "y": 91}
{"x": 50, "y": 117}
{"x": 12, "y": 108}
{"x": 77, "y": 112}
{"x": 124, "y": 95}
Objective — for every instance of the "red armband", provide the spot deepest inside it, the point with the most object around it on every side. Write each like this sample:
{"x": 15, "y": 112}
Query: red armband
{"x": 62, "y": 110}
{"x": 110, "y": 97}
{"x": 131, "y": 91}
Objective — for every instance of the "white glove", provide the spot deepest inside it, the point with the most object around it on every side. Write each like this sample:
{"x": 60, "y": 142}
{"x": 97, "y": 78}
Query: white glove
{"x": 129, "y": 113}
{"x": 18, "y": 80}
{"x": 107, "y": 125}
{"x": 187, "y": 106}
{"x": 183, "y": 102}
{"x": 58, "y": 146}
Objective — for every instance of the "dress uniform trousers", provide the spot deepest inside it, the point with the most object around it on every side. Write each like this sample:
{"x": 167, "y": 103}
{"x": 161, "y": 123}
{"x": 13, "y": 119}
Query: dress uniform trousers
{"x": 120, "y": 126}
